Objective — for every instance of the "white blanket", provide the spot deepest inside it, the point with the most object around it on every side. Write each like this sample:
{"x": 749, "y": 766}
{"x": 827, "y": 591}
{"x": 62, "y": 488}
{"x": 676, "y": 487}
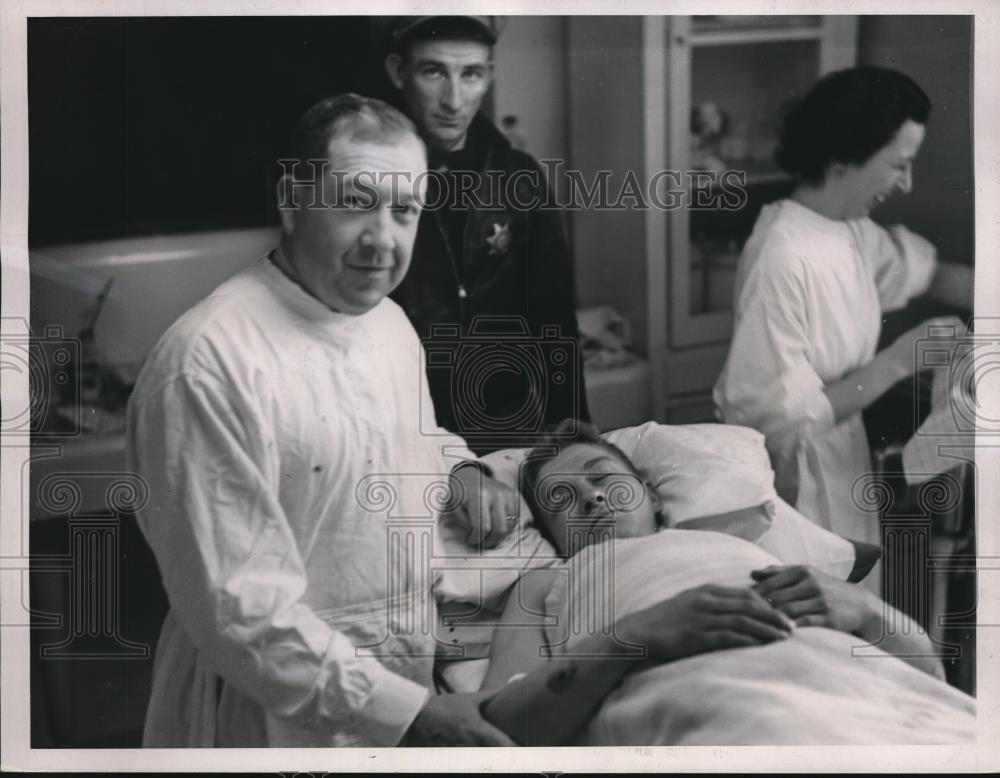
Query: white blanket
{"x": 819, "y": 687}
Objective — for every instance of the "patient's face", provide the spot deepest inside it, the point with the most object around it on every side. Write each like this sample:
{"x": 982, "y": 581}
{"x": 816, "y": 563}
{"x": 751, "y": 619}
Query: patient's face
{"x": 587, "y": 494}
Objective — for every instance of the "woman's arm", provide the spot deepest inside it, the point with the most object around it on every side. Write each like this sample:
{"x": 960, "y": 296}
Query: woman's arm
{"x": 903, "y": 265}
{"x": 860, "y": 388}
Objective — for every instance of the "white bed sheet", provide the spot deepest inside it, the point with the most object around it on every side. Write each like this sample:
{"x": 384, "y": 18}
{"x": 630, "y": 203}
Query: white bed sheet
{"x": 818, "y": 687}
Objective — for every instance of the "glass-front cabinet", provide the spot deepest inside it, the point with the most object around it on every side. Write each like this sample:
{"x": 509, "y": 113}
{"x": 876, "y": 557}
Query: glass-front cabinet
{"x": 715, "y": 88}
{"x": 731, "y": 78}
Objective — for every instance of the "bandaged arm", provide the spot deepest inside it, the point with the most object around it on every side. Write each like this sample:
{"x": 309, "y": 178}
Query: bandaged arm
{"x": 232, "y": 570}
{"x": 543, "y": 700}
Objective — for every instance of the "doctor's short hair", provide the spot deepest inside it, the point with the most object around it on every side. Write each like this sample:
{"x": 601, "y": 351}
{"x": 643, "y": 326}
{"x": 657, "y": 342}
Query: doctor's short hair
{"x": 357, "y": 118}
{"x": 847, "y": 117}
{"x": 567, "y": 433}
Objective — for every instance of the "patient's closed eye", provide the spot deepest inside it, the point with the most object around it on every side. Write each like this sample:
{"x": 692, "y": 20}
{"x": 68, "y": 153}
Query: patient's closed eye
{"x": 556, "y": 494}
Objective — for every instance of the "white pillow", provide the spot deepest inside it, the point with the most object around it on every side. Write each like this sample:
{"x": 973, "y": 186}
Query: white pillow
{"x": 709, "y": 477}
{"x": 463, "y": 574}
{"x": 718, "y": 477}
{"x": 700, "y": 469}
{"x": 796, "y": 540}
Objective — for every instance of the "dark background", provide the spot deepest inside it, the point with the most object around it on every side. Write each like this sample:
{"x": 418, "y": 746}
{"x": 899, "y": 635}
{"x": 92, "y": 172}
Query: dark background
{"x": 159, "y": 125}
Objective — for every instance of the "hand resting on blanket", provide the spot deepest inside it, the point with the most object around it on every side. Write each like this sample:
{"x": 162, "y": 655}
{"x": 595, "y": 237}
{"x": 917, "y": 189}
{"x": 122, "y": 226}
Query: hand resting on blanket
{"x": 812, "y": 598}
{"x": 707, "y": 618}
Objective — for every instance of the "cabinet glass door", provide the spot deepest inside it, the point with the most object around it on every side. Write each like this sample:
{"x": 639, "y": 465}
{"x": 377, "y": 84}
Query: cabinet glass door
{"x": 730, "y": 79}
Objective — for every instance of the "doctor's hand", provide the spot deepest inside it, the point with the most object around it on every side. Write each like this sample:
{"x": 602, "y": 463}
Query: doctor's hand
{"x": 455, "y": 720}
{"x": 814, "y": 599}
{"x": 486, "y": 509}
{"x": 706, "y": 618}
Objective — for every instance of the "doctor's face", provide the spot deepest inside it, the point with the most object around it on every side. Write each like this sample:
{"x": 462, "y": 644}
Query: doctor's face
{"x": 352, "y": 245}
{"x": 587, "y": 494}
{"x": 443, "y": 83}
{"x": 888, "y": 171}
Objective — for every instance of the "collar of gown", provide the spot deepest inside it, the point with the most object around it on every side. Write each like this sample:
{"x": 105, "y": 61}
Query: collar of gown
{"x": 308, "y": 307}
{"x": 814, "y": 217}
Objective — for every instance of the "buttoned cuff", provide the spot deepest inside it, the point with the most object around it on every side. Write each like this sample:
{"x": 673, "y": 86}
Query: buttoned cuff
{"x": 393, "y": 704}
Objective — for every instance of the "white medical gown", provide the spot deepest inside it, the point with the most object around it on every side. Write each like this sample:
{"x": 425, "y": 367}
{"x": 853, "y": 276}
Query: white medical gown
{"x": 293, "y": 464}
{"x": 810, "y": 292}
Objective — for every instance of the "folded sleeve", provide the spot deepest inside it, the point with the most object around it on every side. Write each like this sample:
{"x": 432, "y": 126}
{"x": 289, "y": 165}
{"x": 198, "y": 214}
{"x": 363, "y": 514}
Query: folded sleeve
{"x": 902, "y": 263}
{"x": 232, "y": 569}
{"x": 769, "y": 382}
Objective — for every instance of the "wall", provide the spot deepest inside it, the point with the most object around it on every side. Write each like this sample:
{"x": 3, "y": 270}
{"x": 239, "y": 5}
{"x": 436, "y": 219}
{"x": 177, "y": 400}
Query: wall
{"x": 605, "y": 133}
{"x": 530, "y": 62}
{"x": 135, "y": 122}
{"x": 575, "y": 84}
{"x": 936, "y": 51}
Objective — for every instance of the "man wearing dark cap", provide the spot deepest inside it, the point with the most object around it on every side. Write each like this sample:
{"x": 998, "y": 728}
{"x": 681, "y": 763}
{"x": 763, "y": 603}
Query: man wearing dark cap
{"x": 491, "y": 289}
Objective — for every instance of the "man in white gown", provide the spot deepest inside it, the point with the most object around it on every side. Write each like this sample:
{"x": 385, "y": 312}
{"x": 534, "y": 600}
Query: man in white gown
{"x": 277, "y": 424}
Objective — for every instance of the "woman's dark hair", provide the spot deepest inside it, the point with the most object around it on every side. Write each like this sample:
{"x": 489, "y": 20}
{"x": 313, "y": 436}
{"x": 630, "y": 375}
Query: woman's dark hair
{"x": 847, "y": 117}
{"x": 568, "y": 432}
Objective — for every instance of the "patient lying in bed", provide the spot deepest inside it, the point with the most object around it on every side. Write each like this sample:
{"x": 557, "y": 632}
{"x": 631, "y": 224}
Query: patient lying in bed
{"x": 746, "y": 651}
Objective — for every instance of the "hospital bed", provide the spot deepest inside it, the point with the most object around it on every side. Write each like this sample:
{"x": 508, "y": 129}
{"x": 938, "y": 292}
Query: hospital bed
{"x": 65, "y": 282}
{"x": 687, "y": 465}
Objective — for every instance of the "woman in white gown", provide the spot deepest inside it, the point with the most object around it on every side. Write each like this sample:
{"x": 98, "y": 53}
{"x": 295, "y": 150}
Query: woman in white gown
{"x": 812, "y": 284}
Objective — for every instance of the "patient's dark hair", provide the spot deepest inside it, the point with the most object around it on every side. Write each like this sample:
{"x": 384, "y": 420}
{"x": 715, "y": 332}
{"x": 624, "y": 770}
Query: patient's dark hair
{"x": 847, "y": 117}
{"x": 568, "y": 432}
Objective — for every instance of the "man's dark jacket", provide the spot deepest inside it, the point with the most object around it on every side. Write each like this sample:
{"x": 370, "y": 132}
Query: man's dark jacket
{"x": 490, "y": 291}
